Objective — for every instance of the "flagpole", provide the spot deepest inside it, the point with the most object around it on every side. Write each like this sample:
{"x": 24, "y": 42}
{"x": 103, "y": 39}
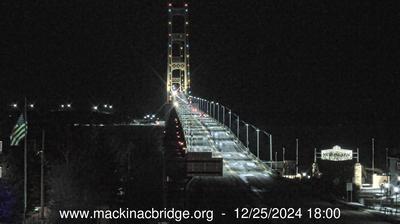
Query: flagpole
{"x": 25, "y": 163}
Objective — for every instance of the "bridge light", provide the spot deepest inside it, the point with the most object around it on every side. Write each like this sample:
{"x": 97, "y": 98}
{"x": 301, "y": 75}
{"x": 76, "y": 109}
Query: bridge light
{"x": 111, "y": 106}
{"x": 69, "y": 105}
{"x": 169, "y": 10}
{"x": 186, "y": 5}
{"x": 176, "y": 104}
{"x": 95, "y": 107}
{"x": 14, "y": 105}
{"x": 31, "y": 105}
{"x": 62, "y": 105}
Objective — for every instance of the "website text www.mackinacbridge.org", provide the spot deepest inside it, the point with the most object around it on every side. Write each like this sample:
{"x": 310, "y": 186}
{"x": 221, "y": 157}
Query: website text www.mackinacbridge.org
{"x": 130, "y": 214}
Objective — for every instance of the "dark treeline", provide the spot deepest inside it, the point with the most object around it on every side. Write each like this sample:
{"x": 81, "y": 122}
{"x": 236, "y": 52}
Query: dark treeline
{"x": 87, "y": 167}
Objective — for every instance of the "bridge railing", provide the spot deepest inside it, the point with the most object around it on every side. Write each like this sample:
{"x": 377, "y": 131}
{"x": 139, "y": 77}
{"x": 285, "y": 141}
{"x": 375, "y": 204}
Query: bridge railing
{"x": 257, "y": 141}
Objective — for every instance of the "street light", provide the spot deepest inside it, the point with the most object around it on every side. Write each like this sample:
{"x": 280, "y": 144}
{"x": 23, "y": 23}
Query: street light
{"x": 212, "y": 109}
{"x": 223, "y": 115}
{"x": 247, "y": 135}
{"x": 95, "y": 107}
{"x": 258, "y": 143}
{"x": 396, "y": 191}
{"x": 237, "y": 126}
{"x": 218, "y": 112}
{"x": 230, "y": 118}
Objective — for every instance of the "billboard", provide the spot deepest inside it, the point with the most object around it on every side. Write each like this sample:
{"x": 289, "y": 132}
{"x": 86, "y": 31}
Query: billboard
{"x": 337, "y": 154}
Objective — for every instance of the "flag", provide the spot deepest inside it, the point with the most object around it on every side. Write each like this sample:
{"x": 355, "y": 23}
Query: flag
{"x": 19, "y": 131}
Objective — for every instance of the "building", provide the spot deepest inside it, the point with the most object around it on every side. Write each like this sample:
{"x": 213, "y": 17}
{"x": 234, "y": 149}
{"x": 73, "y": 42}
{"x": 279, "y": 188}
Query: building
{"x": 394, "y": 169}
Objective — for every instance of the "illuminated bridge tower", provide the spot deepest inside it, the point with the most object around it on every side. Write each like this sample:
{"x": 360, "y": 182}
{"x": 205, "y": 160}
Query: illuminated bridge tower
{"x": 178, "y": 72}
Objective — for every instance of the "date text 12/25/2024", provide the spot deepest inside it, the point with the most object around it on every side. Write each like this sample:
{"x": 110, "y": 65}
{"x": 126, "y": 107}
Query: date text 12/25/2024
{"x": 287, "y": 213}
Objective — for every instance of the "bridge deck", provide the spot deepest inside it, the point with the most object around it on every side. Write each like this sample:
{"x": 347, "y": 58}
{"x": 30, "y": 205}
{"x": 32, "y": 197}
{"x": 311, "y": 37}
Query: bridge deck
{"x": 205, "y": 134}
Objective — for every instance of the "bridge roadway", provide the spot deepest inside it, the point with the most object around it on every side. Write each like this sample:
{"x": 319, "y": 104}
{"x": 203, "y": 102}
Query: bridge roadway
{"x": 205, "y": 134}
{"x": 247, "y": 181}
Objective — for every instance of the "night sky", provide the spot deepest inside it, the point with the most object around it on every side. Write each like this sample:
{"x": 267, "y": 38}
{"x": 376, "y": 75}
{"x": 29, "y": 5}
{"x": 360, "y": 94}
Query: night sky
{"x": 297, "y": 68}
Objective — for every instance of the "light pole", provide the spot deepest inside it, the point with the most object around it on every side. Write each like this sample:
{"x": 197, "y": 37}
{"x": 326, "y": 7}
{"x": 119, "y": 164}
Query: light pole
{"x": 258, "y": 143}
{"x": 237, "y": 124}
{"x": 373, "y": 155}
{"x": 297, "y": 156}
{"x": 230, "y": 118}
{"x": 223, "y": 115}
{"x": 387, "y": 167}
{"x": 396, "y": 191}
{"x": 212, "y": 109}
{"x": 270, "y": 145}
{"x": 217, "y": 111}
{"x": 247, "y": 135}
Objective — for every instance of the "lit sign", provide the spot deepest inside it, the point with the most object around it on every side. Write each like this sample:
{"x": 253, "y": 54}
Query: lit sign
{"x": 336, "y": 154}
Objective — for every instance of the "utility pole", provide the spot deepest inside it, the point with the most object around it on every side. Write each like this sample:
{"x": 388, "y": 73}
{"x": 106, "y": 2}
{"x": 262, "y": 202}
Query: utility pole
{"x": 387, "y": 157}
{"x": 373, "y": 156}
{"x": 297, "y": 156}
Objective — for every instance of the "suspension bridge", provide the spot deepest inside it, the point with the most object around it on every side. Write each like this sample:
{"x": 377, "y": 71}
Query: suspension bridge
{"x": 209, "y": 127}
